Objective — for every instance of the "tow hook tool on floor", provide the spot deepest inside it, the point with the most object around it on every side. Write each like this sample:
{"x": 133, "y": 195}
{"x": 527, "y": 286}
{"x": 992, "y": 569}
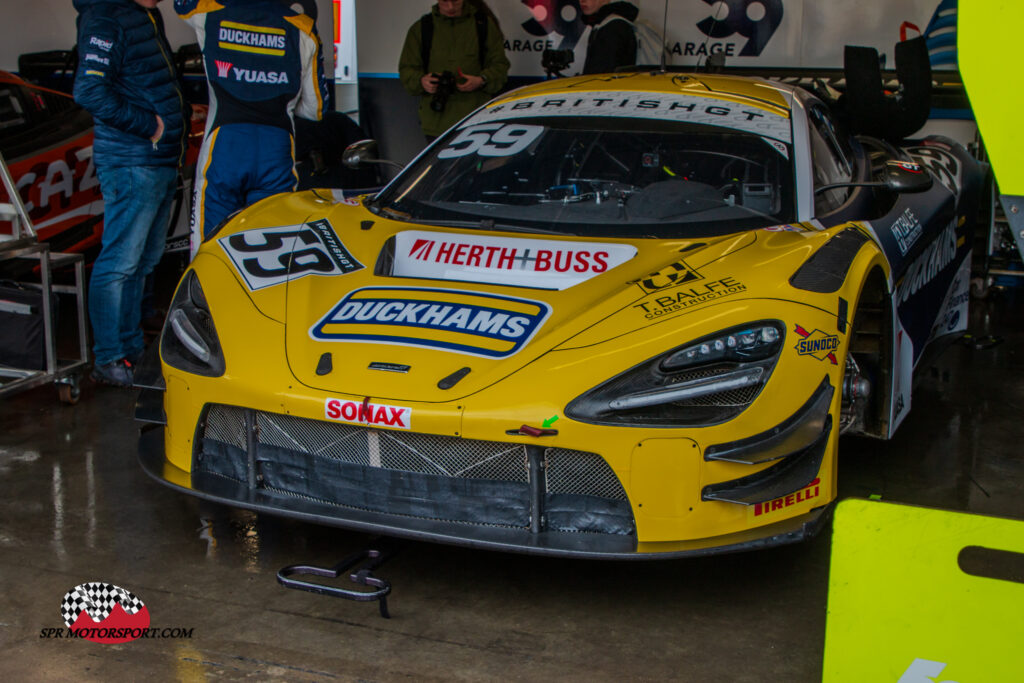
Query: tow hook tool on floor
{"x": 362, "y": 575}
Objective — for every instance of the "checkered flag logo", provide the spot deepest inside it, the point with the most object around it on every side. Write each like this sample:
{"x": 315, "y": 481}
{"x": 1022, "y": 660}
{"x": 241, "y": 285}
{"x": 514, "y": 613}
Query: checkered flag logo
{"x": 98, "y": 601}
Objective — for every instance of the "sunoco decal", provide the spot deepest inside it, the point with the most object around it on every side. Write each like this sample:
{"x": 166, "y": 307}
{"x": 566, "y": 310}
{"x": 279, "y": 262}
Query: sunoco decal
{"x": 452, "y": 320}
{"x": 366, "y": 413}
{"x": 688, "y": 297}
{"x": 687, "y": 108}
{"x": 809, "y": 492}
{"x": 269, "y": 256}
{"x": 817, "y": 344}
{"x": 540, "y": 264}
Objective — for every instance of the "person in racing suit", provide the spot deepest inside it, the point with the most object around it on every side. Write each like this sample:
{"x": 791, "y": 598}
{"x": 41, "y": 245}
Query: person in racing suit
{"x": 126, "y": 79}
{"x": 264, "y": 65}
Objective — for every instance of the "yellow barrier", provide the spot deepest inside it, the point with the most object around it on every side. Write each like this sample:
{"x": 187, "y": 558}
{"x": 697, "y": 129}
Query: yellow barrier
{"x": 987, "y": 47}
{"x": 901, "y": 607}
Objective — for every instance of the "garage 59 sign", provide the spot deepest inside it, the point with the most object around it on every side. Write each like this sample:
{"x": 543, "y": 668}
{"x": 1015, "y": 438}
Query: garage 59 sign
{"x": 763, "y": 33}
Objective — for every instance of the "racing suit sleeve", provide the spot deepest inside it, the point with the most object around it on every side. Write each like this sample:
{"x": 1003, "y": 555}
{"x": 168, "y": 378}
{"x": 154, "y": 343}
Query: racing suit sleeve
{"x": 496, "y": 63}
{"x": 313, "y": 91}
{"x": 410, "y": 63}
{"x": 101, "y": 47}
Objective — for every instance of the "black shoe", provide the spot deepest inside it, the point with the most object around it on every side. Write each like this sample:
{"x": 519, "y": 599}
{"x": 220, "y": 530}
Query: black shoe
{"x": 118, "y": 374}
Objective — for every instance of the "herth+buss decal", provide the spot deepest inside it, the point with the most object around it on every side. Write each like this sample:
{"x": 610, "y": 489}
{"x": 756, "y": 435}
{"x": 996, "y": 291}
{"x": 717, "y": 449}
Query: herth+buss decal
{"x": 105, "y": 613}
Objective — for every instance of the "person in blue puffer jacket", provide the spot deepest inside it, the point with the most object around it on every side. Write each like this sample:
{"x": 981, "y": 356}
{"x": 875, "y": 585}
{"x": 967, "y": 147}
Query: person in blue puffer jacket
{"x": 264, "y": 66}
{"x": 127, "y": 80}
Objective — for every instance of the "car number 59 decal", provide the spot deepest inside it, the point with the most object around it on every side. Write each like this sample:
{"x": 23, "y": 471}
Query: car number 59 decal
{"x": 492, "y": 140}
{"x": 269, "y": 256}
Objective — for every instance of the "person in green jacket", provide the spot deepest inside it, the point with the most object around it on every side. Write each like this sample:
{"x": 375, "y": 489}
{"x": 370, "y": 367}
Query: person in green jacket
{"x": 454, "y": 65}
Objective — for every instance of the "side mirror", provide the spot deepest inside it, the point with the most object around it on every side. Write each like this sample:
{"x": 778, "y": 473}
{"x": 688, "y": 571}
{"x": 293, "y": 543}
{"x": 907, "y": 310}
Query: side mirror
{"x": 359, "y": 153}
{"x": 907, "y": 176}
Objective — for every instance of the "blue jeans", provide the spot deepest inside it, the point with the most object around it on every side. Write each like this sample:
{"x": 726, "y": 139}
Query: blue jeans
{"x": 137, "y": 205}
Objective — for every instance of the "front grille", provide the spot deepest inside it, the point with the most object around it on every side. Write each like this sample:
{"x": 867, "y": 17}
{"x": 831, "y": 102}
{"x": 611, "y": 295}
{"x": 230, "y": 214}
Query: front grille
{"x": 407, "y": 473}
{"x": 734, "y": 398}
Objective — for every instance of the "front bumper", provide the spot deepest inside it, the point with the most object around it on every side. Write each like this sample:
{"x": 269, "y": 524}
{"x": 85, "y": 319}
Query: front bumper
{"x": 251, "y": 494}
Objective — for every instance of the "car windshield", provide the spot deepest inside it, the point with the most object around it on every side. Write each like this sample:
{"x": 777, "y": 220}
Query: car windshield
{"x": 598, "y": 176}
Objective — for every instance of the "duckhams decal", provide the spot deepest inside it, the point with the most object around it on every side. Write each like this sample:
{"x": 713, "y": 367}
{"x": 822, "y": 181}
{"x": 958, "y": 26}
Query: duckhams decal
{"x": 687, "y": 297}
{"x": 809, "y": 492}
{"x": 451, "y": 320}
{"x": 930, "y": 263}
{"x": 539, "y": 264}
{"x": 366, "y": 413}
{"x": 269, "y": 256}
{"x": 817, "y": 344}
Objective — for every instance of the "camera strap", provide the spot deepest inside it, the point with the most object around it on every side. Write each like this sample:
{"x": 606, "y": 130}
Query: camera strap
{"x": 427, "y": 38}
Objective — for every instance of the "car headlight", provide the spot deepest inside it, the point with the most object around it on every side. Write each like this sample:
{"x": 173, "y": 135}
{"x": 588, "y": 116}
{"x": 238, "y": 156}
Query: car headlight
{"x": 189, "y": 341}
{"x": 704, "y": 382}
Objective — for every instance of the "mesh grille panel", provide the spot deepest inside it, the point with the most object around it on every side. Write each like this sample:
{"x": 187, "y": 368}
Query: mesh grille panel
{"x": 227, "y": 425}
{"x": 581, "y": 473}
{"x": 450, "y": 456}
{"x": 342, "y": 442}
{"x": 733, "y": 398}
{"x": 442, "y": 478}
{"x": 567, "y": 471}
{"x": 405, "y": 451}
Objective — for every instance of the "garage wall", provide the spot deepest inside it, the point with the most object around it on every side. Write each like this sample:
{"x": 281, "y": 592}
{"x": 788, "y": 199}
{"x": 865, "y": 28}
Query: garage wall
{"x": 770, "y": 33}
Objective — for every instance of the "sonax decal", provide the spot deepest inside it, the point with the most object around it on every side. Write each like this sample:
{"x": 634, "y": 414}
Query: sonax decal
{"x": 539, "y": 264}
{"x": 817, "y": 344}
{"x": 452, "y": 320}
{"x": 270, "y": 256}
{"x": 366, "y": 413}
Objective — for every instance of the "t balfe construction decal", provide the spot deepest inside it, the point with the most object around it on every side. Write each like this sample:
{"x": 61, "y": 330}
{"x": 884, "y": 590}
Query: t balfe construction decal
{"x": 540, "y": 264}
{"x": 810, "y": 492}
{"x": 366, "y": 413}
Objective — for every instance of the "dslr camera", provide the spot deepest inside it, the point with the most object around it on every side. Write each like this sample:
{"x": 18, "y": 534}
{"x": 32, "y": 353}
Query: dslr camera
{"x": 445, "y": 87}
{"x": 555, "y": 61}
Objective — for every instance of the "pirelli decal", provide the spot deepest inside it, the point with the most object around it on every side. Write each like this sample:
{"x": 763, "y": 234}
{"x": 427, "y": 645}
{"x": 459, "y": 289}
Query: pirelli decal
{"x": 811, "y": 492}
{"x": 261, "y": 40}
{"x": 451, "y": 320}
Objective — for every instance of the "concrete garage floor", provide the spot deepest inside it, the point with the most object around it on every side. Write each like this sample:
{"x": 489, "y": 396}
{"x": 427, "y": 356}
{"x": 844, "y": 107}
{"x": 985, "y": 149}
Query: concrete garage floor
{"x": 76, "y": 507}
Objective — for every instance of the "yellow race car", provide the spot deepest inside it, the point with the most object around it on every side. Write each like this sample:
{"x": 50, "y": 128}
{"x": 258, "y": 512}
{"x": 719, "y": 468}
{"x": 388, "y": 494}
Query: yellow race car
{"x": 611, "y": 317}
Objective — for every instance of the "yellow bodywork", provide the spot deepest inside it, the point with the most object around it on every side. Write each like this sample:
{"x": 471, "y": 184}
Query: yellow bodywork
{"x": 596, "y": 330}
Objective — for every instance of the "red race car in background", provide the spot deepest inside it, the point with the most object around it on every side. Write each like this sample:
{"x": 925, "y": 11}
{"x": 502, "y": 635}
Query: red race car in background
{"x": 46, "y": 140}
